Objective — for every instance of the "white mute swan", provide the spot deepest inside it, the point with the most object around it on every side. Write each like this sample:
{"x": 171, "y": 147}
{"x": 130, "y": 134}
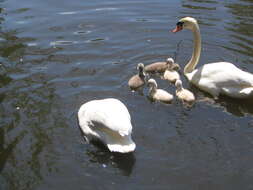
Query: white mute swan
{"x": 158, "y": 94}
{"x": 183, "y": 94}
{"x": 139, "y": 79}
{"x": 109, "y": 121}
{"x": 159, "y": 66}
{"x": 171, "y": 73}
{"x": 214, "y": 78}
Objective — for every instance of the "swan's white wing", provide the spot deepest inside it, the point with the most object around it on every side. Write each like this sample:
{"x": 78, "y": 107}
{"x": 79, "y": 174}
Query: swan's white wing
{"x": 226, "y": 74}
{"x": 221, "y": 77}
{"x": 111, "y": 112}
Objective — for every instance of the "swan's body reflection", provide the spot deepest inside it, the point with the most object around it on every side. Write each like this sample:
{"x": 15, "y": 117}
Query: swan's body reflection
{"x": 237, "y": 107}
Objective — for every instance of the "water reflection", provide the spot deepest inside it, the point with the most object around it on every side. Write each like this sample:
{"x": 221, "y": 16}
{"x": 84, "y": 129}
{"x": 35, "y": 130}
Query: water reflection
{"x": 6, "y": 149}
{"x": 236, "y": 106}
{"x": 26, "y": 136}
{"x": 202, "y": 10}
{"x": 26, "y": 124}
{"x": 241, "y": 28}
{"x": 124, "y": 162}
{"x": 4, "y": 79}
{"x": 37, "y": 142}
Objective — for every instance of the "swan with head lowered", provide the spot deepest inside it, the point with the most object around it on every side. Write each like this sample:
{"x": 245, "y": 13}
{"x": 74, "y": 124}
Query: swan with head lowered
{"x": 215, "y": 78}
{"x": 109, "y": 121}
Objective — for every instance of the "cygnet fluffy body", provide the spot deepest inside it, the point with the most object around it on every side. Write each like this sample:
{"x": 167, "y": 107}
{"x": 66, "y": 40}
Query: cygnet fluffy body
{"x": 138, "y": 80}
{"x": 158, "y": 94}
{"x": 184, "y": 94}
{"x": 159, "y": 66}
{"x": 171, "y": 73}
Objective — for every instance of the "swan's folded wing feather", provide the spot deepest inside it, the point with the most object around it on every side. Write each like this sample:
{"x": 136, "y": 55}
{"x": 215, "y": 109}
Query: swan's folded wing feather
{"x": 111, "y": 112}
{"x": 224, "y": 74}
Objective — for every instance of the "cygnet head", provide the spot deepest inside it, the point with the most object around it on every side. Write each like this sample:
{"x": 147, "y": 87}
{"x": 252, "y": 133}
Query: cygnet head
{"x": 140, "y": 67}
{"x": 170, "y": 61}
{"x": 152, "y": 83}
{"x": 178, "y": 84}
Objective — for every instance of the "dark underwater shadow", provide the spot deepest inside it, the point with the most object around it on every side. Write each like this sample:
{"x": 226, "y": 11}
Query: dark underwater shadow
{"x": 236, "y": 106}
{"x": 99, "y": 153}
{"x": 6, "y": 150}
{"x": 123, "y": 162}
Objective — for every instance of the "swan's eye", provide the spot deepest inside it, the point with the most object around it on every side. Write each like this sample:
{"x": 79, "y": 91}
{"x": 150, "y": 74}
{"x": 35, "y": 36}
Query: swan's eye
{"x": 178, "y": 28}
{"x": 180, "y": 24}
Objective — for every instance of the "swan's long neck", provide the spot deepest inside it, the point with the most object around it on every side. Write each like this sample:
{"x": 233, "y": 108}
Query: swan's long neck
{"x": 196, "y": 50}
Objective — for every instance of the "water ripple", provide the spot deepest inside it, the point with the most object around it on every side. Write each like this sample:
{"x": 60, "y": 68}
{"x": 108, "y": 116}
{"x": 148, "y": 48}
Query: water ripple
{"x": 96, "y": 40}
{"x": 70, "y": 52}
{"x": 82, "y": 32}
{"x": 62, "y": 43}
{"x": 106, "y": 9}
{"x": 68, "y": 13}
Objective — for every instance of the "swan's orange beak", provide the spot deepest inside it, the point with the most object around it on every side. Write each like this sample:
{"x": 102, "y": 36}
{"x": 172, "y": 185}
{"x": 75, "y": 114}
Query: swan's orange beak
{"x": 177, "y": 29}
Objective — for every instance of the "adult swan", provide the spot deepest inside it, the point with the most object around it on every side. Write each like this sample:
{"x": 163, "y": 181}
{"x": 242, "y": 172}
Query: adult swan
{"x": 214, "y": 78}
